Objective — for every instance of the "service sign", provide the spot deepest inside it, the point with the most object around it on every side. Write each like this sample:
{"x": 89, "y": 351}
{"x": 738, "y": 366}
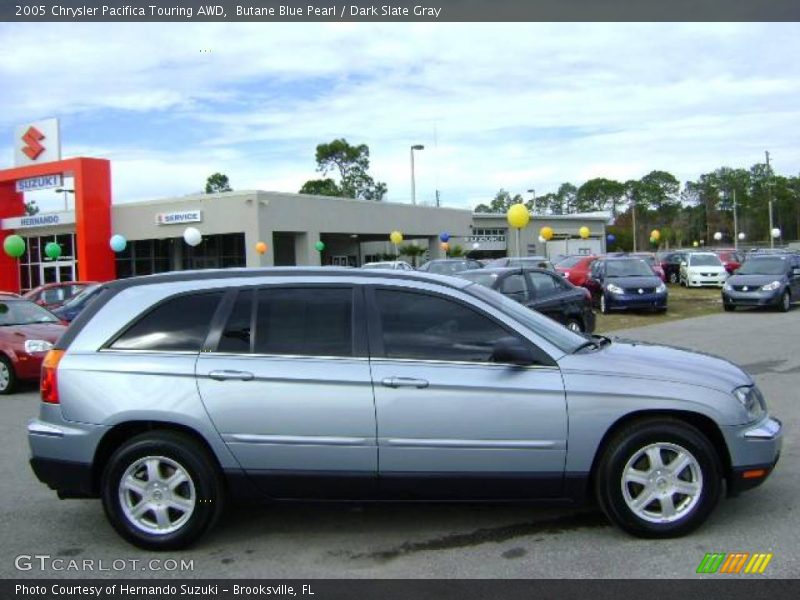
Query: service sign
{"x": 176, "y": 218}
{"x": 40, "y": 220}
{"x": 45, "y": 182}
{"x": 36, "y": 143}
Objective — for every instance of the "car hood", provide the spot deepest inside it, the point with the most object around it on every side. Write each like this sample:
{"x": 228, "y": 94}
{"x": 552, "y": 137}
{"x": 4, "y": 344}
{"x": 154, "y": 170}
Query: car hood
{"x": 754, "y": 280}
{"x": 49, "y": 332}
{"x": 627, "y": 282}
{"x": 626, "y": 358}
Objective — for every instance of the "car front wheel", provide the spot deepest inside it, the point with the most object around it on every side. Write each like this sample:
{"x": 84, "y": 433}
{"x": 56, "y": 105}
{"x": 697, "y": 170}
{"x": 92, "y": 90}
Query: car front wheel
{"x": 786, "y": 302}
{"x": 162, "y": 490}
{"x": 8, "y": 378}
{"x": 603, "y": 304}
{"x": 658, "y": 478}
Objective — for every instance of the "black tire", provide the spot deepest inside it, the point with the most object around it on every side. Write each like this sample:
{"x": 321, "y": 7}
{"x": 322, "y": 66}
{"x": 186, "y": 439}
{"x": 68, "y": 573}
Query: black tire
{"x": 729, "y": 307}
{"x": 673, "y": 278}
{"x": 629, "y": 442}
{"x": 786, "y": 302}
{"x": 603, "y": 304}
{"x": 195, "y": 461}
{"x": 8, "y": 378}
{"x": 575, "y": 325}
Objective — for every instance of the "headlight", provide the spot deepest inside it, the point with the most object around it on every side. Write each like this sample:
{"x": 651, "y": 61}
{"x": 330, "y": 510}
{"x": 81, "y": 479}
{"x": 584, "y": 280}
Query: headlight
{"x": 614, "y": 289}
{"x": 32, "y": 346}
{"x": 771, "y": 287}
{"x": 751, "y": 400}
{"x": 661, "y": 288}
{"x": 727, "y": 287}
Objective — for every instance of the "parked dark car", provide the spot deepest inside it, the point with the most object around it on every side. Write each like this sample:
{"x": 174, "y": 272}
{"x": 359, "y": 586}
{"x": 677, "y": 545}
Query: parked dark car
{"x": 671, "y": 265}
{"x": 72, "y": 307}
{"x": 450, "y": 266}
{"x": 626, "y": 283}
{"x": 543, "y": 291}
{"x": 535, "y": 262}
{"x": 766, "y": 280}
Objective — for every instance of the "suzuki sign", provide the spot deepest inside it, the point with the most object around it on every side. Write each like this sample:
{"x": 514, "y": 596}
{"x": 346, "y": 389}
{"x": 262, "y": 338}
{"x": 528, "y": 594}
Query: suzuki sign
{"x": 38, "y": 142}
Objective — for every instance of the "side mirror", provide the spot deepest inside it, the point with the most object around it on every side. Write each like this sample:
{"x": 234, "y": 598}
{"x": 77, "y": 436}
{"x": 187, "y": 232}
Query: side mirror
{"x": 510, "y": 350}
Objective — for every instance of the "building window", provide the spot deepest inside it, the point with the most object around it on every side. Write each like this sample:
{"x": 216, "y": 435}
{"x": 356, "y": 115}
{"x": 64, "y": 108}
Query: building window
{"x": 216, "y": 252}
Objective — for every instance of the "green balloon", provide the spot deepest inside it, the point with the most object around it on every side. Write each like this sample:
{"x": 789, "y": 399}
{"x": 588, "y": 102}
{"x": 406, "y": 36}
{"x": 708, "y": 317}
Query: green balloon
{"x": 52, "y": 250}
{"x": 320, "y": 246}
{"x": 14, "y": 246}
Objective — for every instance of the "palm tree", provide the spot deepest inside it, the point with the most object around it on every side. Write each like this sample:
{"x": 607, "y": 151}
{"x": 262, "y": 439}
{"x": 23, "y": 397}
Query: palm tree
{"x": 412, "y": 251}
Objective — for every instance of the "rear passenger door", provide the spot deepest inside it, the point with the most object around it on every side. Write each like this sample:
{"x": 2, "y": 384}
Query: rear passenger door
{"x": 547, "y": 295}
{"x": 286, "y": 381}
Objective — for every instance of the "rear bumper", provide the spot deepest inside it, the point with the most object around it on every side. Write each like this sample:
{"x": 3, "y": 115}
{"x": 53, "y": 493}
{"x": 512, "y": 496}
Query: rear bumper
{"x": 69, "y": 479}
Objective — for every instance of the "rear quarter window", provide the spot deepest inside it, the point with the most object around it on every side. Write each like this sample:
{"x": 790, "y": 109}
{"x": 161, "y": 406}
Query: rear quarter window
{"x": 179, "y": 324}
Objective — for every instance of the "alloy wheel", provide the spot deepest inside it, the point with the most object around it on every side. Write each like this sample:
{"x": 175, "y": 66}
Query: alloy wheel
{"x": 5, "y": 376}
{"x": 662, "y": 482}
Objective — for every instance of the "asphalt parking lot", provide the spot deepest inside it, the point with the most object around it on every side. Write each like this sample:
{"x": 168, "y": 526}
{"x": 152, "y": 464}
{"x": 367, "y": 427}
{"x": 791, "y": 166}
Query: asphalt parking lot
{"x": 440, "y": 541}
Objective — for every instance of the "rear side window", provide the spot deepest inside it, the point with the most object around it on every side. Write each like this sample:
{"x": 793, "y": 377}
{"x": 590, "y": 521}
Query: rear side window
{"x": 543, "y": 284}
{"x": 177, "y": 325}
{"x": 305, "y": 321}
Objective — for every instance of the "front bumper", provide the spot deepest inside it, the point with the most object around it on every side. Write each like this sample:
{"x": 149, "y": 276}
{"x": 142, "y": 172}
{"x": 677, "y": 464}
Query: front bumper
{"x": 755, "y": 450}
{"x": 755, "y": 297}
{"x": 701, "y": 281}
{"x": 636, "y": 301}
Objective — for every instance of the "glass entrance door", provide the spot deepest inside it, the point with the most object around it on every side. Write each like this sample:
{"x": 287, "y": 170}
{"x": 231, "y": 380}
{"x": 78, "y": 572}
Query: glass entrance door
{"x": 57, "y": 272}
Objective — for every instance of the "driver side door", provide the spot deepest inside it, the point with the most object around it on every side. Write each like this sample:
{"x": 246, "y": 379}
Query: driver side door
{"x": 451, "y": 423}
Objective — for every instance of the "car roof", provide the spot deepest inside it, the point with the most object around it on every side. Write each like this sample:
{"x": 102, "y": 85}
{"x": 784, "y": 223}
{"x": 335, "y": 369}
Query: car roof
{"x": 46, "y": 286}
{"x": 504, "y": 270}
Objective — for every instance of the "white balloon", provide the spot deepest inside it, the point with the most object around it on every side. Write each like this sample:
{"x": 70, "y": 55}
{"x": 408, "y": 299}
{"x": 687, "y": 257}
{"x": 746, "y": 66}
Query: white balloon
{"x": 542, "y": 240}
{"x": 718, "y": 236}
{"x": 776, "y": 233}
{"x": 475, "y": 245}
{"x": 192, "y": 236}
{"x": 742, "y": 236}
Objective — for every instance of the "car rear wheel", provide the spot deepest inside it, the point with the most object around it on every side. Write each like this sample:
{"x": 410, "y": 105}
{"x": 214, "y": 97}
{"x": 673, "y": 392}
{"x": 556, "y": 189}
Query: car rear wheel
{"x": 658, "y": 478}
{"x": 162, "y": 490}
{"x": 673, "y": 278}
{"x": 786, "y": 302}
{"x": 8, "y": 379}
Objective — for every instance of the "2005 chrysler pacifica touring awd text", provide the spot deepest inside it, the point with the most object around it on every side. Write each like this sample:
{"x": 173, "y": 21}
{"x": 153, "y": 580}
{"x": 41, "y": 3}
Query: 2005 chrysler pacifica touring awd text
{"x": 171, "y": 393}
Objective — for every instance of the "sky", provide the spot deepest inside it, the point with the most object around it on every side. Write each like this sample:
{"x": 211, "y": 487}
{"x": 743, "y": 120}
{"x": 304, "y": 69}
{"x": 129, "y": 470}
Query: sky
{"x": 515, "y": 106}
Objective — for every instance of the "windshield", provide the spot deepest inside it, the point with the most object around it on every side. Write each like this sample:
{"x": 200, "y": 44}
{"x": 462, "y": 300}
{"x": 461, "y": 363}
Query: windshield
{"x": 570, "y": 261}
{"x": 23, "y": 312}
{"x": 480, "y": 277}
{"x": 448, "y": 267}
{"x": 634, "y": 267}
{"x": 538, "y": 262}
{"x": 763, "y": 266}
{"x": 86, "y": 294}
{"x": 704, "y": 260}
{"x": 550, "y": 330}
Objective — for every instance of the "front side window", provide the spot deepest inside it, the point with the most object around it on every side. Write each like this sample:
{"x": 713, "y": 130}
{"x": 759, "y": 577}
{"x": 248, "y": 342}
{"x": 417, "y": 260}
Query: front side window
{"x": 304, "y": 321}
{"x": 427, "y": 327}
{"x": 514, "y": 286}
{"x": 543, "y": 284}
{"x": 179, "y": 324}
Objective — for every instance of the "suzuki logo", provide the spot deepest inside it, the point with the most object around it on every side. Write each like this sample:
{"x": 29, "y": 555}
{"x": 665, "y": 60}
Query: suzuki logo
{"x": 33, "y": 149}
{"x": 744, "y": 289}
{"x": 641, "y": 291}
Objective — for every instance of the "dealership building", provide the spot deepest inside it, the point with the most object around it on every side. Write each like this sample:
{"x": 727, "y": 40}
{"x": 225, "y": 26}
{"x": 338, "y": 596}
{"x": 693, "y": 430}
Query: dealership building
{"x": 291, "y": 226}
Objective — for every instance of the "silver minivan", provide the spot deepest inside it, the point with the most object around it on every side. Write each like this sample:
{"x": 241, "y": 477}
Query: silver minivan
{"x": 175, "y": 393}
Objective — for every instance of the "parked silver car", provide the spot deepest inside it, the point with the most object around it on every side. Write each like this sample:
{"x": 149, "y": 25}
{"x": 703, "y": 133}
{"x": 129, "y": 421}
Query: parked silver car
{"x": 171, "y": 393}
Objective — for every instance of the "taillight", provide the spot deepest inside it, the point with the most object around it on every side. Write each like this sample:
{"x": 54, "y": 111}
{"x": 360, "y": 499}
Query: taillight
{"x": 49, "y": 381}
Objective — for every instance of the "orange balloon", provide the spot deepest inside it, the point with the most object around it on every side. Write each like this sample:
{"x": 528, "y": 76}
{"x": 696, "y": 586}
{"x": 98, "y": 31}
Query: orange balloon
{"x": 444, "y": 246}
{"x": 261, "y": 247}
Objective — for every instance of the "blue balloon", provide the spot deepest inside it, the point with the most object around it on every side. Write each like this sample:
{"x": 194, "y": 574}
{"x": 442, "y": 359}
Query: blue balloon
{"x": 444, "y": 236}
{"x": 118, "y": 243}
{"x": 610, "y": 237}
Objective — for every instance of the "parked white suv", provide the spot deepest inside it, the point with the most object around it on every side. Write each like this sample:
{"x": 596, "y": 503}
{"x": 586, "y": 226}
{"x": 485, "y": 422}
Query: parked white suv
{"x": 702, "y": 268}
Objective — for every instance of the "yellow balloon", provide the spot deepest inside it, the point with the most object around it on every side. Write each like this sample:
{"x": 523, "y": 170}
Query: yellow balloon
{"x": 261, "y": 247}
{"x": 396, "y": 237}
{"x": 655, "y": 234}
{"x": 584, "y": 232}
{"x": 546, "y": 232}
{"x": 518, "y": 216}
{"x": 695, "y": 243}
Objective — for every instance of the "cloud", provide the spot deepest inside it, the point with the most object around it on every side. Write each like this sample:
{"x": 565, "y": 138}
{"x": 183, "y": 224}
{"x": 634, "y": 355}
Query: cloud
{"x": 517, "y": 106}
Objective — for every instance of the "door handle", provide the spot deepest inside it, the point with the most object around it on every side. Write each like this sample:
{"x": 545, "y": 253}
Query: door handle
{"x": 397, "y": 382}
{"x": 231, "y": 375}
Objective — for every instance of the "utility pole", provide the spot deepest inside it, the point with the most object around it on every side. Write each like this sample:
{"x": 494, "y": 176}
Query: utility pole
{"x": 633, "y": 219}
{"x": 769, "y": 202}
{"x": 735, "y": 225}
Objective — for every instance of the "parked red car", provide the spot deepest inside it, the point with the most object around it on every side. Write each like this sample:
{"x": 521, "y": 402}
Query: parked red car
{"x": 575, "y": 268}
{"x": 51, "y": 295}
{"x": 730, "y": 259}
{"x": 27, "y": 332}
{"x": 655, "y": 264}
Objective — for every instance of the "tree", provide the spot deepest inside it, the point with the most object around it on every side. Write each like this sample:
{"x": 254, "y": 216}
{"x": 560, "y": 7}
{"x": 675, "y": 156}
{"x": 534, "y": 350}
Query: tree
{"x": 501, "y": 203}
{"x": 456, "y": 251}
{"x": 413, "y": 251}
{"x": 218, "y": 183}
{"x": 31, "y": 208}
{"x": 352, "y": 165}
{"x": 600, "y": 194}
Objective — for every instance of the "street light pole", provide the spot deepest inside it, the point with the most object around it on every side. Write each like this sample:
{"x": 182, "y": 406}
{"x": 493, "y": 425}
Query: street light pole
{"x": 65, "y": 191}
{"x": 533, "y": 200}
{"x": 413, "y": 182}
{"x": 769, "y": 202}
{"x": 735, "y": 225}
